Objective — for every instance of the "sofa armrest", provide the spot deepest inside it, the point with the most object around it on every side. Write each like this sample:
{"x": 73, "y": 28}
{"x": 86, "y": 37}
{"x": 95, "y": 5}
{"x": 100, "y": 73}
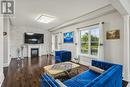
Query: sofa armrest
{"x": 60, "y": 83}
{"x": 48, "y": 81}
{"x": 99, "y": 77}
{"x": 111, "y": 79}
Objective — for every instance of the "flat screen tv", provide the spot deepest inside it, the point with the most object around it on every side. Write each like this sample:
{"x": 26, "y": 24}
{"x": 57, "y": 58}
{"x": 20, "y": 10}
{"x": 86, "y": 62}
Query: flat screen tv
{"x": 33, "y": 38}
{"x": 68, "y": 37}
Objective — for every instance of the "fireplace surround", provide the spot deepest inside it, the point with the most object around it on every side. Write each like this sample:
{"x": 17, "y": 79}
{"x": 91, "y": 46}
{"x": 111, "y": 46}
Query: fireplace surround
{"x": 33, "y": 50}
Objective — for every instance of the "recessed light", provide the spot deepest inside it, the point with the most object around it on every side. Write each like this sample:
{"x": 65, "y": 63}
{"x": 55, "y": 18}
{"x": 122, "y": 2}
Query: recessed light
{"x": 44, "y": 18}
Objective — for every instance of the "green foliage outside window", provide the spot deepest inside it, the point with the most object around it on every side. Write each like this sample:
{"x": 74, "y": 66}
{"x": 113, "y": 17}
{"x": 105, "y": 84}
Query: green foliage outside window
{"x": 94, "y": 42}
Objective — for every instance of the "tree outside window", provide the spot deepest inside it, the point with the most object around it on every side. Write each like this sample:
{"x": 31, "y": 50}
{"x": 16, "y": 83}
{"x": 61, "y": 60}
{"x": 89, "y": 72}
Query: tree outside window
{"x": 89, "y": 39}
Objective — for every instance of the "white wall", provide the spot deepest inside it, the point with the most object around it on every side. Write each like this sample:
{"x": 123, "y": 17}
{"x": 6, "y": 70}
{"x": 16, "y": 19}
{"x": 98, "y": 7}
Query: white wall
{"x": 1, "y": 50}
{"x": 113, "y": 48}
{"x": 6, "y": 41}
{"x": 17, "y": 39}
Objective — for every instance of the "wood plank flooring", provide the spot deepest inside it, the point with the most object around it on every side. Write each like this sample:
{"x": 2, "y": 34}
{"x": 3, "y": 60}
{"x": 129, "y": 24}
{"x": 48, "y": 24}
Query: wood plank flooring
{"x": 26, "y": 72}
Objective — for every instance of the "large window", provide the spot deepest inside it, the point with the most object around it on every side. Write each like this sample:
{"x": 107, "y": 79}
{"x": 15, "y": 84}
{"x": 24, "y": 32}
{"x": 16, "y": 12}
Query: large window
{"x": 89, "y": 38}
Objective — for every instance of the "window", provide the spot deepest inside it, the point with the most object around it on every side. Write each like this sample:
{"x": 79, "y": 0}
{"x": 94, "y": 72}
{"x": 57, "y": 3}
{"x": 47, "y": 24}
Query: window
{"x": 89, "y": 39}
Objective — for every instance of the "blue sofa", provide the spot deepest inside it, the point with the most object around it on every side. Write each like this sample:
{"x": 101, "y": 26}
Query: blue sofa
{"x": 62, "y": 56}
{"x": 111, "y": 77}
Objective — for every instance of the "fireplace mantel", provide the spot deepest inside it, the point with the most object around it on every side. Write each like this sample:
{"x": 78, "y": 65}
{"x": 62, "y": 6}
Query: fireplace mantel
{"x": 30, "y": 46}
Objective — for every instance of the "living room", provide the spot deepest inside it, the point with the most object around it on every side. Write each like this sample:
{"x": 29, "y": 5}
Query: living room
{"x": 84, "y": 32}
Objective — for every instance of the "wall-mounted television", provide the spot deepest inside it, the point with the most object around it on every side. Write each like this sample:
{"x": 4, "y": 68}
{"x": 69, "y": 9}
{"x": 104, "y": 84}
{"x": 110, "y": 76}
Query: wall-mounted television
{"x": 33, "y": 38}
{"x": 68, "y": 37}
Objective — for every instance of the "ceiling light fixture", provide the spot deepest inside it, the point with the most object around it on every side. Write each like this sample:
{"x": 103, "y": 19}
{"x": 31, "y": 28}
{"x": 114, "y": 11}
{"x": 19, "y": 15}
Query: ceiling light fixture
{"x": 29, "y": 33}
{"x": 44, "y": 18}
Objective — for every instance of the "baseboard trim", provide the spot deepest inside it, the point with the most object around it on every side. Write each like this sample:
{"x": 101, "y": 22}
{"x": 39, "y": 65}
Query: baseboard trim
{"x": 5, "y": 65}
{"x": 128, "y": 85}
{"x": 1, "y": 78}
{"x": 129, "y": 78}
{"x": 85, "y": 63}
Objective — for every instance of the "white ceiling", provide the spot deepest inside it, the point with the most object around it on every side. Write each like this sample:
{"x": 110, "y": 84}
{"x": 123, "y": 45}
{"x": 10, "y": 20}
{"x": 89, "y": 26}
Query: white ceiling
{"x": 27, "y": 10}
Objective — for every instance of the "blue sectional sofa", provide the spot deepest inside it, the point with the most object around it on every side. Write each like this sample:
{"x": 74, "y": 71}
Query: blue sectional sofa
{"x": 62, "y": 56}
{"x": 111, "y": 77}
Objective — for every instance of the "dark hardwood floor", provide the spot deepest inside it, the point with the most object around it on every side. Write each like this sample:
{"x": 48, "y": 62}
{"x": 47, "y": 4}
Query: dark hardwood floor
{"x": 27, "y": 72}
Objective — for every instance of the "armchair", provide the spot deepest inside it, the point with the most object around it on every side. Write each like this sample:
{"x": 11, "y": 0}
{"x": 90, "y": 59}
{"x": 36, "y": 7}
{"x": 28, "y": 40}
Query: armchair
{"x": 62, "y": 56}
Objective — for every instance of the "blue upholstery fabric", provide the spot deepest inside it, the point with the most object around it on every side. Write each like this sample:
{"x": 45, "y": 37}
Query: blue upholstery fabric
{"x": 80, "y": 80}
{"x": 101, "y": 64}
{"x": 62, "y": 56}
{"x": 48, "y": 81}
{"x": 111, "y": 77}
{"x": 99, "y": 77}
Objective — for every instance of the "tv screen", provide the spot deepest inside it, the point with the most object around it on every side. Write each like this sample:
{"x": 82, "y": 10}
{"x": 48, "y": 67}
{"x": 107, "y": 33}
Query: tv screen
{"x": 33, "y": 38}
{"x": 68, "y": 37}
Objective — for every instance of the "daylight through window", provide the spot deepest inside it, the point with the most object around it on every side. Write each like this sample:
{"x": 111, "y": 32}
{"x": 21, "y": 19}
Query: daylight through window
{"x": 89, "y": 38}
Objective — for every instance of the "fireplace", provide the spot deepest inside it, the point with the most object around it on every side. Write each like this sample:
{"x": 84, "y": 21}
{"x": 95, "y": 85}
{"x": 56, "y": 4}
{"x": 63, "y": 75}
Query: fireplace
{"x": 34, "y": 52}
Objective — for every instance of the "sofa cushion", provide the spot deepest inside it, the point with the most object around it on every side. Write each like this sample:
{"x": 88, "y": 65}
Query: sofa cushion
{"x": 96, "y": 69}
{"x": 81, "y": 79}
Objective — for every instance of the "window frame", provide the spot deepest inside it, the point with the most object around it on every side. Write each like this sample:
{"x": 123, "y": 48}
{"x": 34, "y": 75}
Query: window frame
{"x": 89, "y": 41}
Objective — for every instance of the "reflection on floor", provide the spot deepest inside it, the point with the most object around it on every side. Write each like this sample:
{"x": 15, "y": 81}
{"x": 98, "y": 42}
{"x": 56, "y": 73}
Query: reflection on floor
{"x": 26, "y": 72}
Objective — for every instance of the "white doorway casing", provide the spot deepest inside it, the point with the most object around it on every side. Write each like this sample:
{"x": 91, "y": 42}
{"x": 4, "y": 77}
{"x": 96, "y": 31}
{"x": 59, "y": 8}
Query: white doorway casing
{"x": 1, "y": 51}
{"x": 126, "y": 65}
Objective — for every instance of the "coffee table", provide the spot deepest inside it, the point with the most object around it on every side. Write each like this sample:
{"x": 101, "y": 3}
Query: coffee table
{"x": 64, "y": 67}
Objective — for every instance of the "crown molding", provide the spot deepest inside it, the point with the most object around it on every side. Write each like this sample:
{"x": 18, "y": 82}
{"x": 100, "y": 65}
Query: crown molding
{"x": 88, "y": 16}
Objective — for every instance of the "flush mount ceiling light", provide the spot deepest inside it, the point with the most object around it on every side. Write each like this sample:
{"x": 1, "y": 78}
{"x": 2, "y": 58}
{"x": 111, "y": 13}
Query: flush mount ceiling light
{"x": 44, "y": 18}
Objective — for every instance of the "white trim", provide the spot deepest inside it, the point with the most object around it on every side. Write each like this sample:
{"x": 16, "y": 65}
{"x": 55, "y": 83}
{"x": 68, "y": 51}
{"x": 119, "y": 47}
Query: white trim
{"x": 126, "y": 55}
{"x": 1, "y": 51}
{"x": 89, "y": 56}
{"x": 89, "y": 28}
{"x": 85, "y": 63}
{"x": 29, "y": 46}
{"x": 77, "y": 42}
{"x": 129, "y": 54}
{"x": 5, "y": 65}
{"x": 94, "y": 14}
{"x": 1, "y": 78}
{"x": 101, "y": 41}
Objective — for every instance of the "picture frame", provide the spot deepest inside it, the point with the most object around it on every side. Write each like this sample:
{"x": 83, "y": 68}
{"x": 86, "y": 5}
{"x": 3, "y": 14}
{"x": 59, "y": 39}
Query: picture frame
{"x": 68, "y": 37}
{"x": 113, "y": 34}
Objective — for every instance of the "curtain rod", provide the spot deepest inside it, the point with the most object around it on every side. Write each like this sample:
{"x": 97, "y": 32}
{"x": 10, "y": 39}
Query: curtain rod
{"x": 90, "y": 25}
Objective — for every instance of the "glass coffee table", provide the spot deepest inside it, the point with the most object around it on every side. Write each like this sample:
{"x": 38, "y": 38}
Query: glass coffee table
{"x": 59, "y": 68}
